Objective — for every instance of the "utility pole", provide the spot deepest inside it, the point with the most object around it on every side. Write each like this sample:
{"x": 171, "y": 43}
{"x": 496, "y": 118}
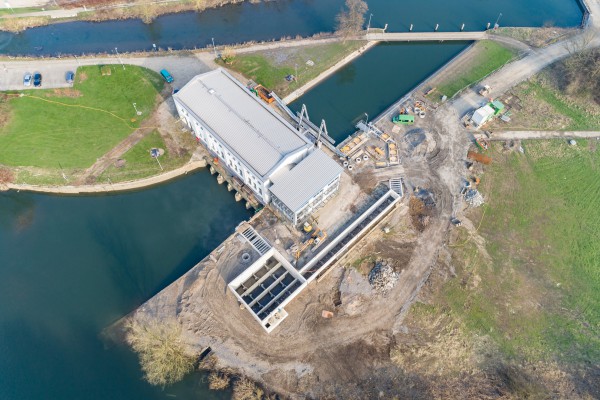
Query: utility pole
{"x": 214, "y": 48}
{"x": 119, "y": 58}
{"x": 296, "y": 76}
{"x": 369, "y": 24}
{"x": 77, "y": 59}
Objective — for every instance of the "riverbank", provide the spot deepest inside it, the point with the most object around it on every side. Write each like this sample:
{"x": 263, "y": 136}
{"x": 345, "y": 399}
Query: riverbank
{"x": 109, "y": 188}
{"x": 99, "y": 10}
{"x": 328, "y": 72}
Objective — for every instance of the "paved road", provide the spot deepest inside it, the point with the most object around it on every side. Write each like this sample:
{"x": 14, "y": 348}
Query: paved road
{"x": 60, "y": 13}
{"x": 182, "y": 67}
{"x": 536, "y": 60}
{"x": 426, "y": 36}
{"x": 522, "y": 135}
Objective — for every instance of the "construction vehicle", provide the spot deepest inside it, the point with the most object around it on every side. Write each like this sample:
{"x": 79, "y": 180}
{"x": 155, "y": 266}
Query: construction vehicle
{"x": 264, "y": 94}
{"x": 316, "y": 238}
{"x": 307, "y": 227}
{"x": 484, "y": 91}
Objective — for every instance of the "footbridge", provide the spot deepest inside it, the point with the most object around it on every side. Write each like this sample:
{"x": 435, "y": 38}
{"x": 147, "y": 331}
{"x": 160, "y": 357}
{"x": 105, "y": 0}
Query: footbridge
{"x": 426, "y": 36}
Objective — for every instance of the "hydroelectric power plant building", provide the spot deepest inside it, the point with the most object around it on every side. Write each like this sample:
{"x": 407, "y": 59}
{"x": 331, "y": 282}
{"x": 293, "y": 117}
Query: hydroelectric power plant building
{"x": 273, "y": 158}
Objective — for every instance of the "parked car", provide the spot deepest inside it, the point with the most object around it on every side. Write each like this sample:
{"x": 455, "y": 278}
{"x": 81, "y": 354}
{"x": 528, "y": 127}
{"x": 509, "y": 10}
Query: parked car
{"x": 165, "y": 74}
{"x": 69, "y": 76}
{"x": 37, "y": 79}
{"x": 27, "y": 79}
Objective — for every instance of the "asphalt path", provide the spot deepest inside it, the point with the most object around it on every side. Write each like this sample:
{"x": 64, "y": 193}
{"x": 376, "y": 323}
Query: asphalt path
{"x": 182, "y": 67}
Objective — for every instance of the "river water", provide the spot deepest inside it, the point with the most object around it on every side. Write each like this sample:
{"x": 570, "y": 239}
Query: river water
{"x": 280, "y": 18}
{"x": 71, "y": 266}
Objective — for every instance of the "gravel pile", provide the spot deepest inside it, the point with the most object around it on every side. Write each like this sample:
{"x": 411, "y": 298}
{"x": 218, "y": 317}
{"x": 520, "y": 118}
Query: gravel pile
{"x": 382, "y": 277}
{"x": 474, "y": 198}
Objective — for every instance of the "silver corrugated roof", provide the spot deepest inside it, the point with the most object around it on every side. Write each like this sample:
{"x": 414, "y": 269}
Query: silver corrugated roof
{"x": 295, "y": 187}
{"x": 257, "y": 134}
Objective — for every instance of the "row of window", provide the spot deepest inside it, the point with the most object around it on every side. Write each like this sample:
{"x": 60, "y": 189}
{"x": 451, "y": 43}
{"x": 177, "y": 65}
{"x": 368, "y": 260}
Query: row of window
{"x": 231, "y": 160}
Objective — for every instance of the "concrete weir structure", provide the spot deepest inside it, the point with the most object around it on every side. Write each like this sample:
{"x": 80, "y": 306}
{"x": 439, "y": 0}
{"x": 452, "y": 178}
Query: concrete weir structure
{"x": 266, "y": 287}
{"x": 271, "y": 282}
{"x": 273, "y": 159}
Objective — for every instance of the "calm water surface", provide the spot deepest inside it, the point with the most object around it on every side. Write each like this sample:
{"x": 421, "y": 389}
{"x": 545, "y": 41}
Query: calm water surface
{"x": 70, "y": 266}
{"x": 275, "y": 19}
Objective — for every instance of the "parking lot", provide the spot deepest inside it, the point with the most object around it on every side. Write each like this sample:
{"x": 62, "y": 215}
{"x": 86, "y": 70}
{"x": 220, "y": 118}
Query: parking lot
{"x": 181, "y": 67}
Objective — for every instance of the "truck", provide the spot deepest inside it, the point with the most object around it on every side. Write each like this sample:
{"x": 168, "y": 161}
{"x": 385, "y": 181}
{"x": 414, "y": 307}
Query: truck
{"x": 264, "y": 94}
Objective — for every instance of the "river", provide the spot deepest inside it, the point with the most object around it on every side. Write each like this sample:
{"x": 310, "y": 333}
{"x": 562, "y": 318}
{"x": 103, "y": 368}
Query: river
{"x": 275, "y": 19}
{"x": 70, "y": 266}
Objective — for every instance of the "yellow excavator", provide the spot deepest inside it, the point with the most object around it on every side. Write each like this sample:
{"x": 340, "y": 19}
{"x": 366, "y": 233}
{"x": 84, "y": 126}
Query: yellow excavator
{"x": 316, "y": 238}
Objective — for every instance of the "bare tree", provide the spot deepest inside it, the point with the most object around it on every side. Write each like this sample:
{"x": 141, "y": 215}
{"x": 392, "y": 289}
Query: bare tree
{"x": 351, "y": 19}
{"x": 162, "y": 354}
{"x": 147, "y": 11}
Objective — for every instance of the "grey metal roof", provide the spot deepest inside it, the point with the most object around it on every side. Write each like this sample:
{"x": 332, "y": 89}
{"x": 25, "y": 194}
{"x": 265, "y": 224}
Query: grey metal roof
{"x": 258, "y": 135}
{"x": 295, "y": 187}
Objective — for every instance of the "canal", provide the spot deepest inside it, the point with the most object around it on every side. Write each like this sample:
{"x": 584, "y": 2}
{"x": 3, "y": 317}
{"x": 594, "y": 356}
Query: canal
{"x": 70, "y": 266}
{"x": 372, "y": 82}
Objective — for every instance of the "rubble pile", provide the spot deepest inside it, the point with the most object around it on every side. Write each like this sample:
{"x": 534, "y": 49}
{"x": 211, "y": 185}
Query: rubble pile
{"x": 474, "y": 198}
{"x": 383, "y": 277}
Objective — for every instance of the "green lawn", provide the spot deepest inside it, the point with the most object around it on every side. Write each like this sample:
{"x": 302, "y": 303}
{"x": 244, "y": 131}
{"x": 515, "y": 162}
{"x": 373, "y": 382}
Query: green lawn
{"x": 269, "y": 68}
{"x": 71, "y": 128}
{"x": 139, "y": 164}
{"x": 489, "y": 57}
{"x": 539, "y": 299}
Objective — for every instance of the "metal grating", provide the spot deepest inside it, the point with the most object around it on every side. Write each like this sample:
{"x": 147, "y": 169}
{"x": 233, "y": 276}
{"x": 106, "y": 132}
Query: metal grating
{"x": 257, "y": 241}
{"x": 396, "y": 185}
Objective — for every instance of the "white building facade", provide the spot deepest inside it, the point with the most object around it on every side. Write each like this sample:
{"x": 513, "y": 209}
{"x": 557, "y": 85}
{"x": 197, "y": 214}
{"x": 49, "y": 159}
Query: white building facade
{"x": 256, "y": 144}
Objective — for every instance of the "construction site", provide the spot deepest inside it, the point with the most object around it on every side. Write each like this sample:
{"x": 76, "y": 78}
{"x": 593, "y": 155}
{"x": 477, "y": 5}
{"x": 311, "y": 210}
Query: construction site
{"x": 294, "y": 306}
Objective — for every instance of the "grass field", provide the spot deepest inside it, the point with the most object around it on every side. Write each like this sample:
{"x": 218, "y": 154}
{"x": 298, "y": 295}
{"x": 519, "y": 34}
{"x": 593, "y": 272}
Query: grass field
{"x": 139, "y": 164}
{"x": 269, "y": 68}
{"x": 545, "y": 107}
{"x": 487, "y": 57}
{"x": 71, "y": 128}
{"x": 511, "y": 310}
{"x": 539, "y": 296}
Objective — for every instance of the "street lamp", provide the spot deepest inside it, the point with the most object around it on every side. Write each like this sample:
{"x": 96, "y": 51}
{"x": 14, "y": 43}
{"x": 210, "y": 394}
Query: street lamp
{"x": 296, "y": 76}
{"x": 369, "y": 24}
{"x": 367, "y": 120}
{"x": 136, "y": 110}
{"x": 496, "y": 26}
{"x": 119, "y": 58}
{"x": 214, "y": 48}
